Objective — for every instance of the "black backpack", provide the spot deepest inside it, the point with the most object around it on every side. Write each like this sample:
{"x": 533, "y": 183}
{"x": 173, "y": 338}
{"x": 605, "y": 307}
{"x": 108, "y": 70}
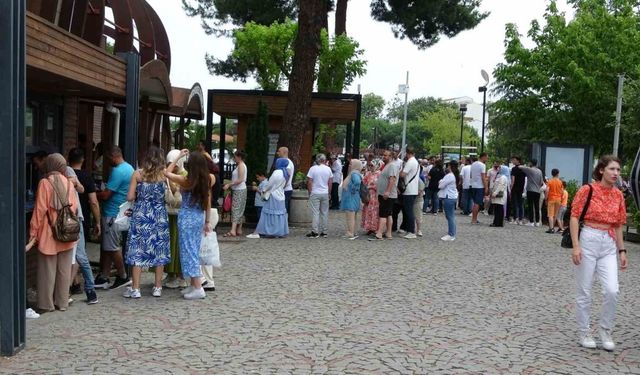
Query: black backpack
{"x": 66, "y": 227}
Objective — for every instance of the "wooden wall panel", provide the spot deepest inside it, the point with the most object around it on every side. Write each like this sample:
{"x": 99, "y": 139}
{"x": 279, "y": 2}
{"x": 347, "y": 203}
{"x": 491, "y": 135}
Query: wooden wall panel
{"x": 63, "y": 54}
{"x": 70, "y": 129}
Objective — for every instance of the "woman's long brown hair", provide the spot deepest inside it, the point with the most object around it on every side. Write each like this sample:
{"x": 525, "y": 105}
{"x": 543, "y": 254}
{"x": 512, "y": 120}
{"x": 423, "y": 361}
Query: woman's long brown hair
{"x": 198, "y": 179}
{"x": 153, "y": 165}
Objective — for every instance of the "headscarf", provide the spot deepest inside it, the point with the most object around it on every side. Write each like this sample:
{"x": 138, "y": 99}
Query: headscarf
{"x": 504, "y": 171}
{"x": 281, "y": 164}
{"x": 375, "y": 166}
{"x": 54, "y": 166}
{"x": 172, "y": 156}
{"x": 354, "y": 167}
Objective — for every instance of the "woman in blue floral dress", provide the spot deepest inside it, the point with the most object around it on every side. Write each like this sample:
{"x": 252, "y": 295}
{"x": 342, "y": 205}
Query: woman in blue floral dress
{"x": 192, "y": 222}
{"x": 148, "y": 240}
{"x": 350, "y": 202}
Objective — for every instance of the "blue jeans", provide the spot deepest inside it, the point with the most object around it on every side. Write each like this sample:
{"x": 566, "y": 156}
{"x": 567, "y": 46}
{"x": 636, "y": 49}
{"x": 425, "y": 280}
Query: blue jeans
{"x": 427, "y": 201}
{"x": 518, "y": 205}
{"x": 287, "y": 200}
{"x": 83, "y": 263}
{"x": 408, "y": 216}
{"x": 467, "y": 201}
{"x": 435, "y": 201}
{"x": 449, "y": 208}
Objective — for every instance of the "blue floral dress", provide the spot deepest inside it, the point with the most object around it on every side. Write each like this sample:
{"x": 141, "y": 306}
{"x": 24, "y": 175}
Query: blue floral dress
{"x": 190, "y": 225}
{"x": 148, "y": 239}
{"x": 351, "y": 194}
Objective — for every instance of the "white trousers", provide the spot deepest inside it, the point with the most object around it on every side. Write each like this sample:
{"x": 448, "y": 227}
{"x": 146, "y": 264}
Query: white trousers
{"x": 319, "y": 204}
{"x": 599, "y": 256}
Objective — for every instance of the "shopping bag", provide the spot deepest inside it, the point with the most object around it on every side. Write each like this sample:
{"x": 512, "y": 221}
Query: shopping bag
{"x": 227, "y": 203}
{"x": 209, "y": 251}
{"x": 122, "y": 221}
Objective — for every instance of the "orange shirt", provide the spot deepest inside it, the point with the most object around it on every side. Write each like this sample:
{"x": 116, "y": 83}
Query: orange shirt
{"x": 607, "y": 205}
{"x": 565, "y": 198}
{"x": 554, "y": 189}
{"x": 40, "y": 228}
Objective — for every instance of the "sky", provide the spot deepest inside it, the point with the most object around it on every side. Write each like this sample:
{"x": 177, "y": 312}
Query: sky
{"x": 450, "y": 69}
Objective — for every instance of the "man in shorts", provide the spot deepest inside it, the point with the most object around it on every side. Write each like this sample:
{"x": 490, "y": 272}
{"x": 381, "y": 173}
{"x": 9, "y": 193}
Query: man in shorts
{"x": 387, "y": 194}
{"x": 479, "y": 186}
{"x": 114, "y": 194}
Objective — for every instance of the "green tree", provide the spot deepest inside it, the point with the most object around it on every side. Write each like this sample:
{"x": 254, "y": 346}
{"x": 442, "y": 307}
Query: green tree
{"x": 444, "y": 126}
{"x": 339, "y": 63}
{"x": 563, "y": 88}
{"x": 415, "y": 108}
{"x": 372, "y": 106}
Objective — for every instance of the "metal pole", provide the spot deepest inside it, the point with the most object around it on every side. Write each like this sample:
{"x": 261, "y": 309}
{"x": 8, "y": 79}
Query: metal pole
{"x": 616, "y": 133}
{"x": 461, "y": 127}
{"x": 404, "y": 125}
{"x": 484, "y": 105}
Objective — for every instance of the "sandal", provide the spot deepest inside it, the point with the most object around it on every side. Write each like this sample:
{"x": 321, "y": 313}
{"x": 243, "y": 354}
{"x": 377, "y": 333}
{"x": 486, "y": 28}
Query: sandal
{"x": 229, "y": 234}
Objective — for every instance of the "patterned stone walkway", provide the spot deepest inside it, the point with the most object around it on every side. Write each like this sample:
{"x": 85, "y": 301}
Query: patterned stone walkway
{"x": 496, "y": 301}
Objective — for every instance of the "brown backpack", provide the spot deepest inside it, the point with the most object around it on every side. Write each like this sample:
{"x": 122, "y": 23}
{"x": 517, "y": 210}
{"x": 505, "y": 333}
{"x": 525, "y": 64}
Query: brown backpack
{"x": 66, "y": 228}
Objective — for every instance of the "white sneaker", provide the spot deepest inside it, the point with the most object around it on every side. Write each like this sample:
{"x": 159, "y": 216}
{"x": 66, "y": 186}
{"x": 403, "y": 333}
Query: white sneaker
{"x": 401, "y": 231}
{"x": 195, "y": 294}
{"x": 186, "y": 290}
{"x": 156, "y": 292}
{"x": 410, "y": 236}
{"x": 447, "y": 238}
{"x": 537, "y": 224}
{"x": 531, "y": 224}
{"x": 419, "y": 233}
{"x": 606, "y": 340}
{"x": 30, "y": 314}
{"x": 253, "y": 235}
{"x": 587, "y": 341}
{"x": 131, "y": 293}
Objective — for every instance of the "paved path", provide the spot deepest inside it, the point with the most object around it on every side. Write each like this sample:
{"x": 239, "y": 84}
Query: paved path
{"x": 496, "y": 301}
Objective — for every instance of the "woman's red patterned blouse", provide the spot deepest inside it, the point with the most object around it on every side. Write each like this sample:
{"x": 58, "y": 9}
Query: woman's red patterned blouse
{"x": 607, "y": 205}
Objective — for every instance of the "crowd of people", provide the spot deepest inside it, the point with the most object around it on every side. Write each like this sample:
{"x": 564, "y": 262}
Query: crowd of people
{"x": 172, "y": 210}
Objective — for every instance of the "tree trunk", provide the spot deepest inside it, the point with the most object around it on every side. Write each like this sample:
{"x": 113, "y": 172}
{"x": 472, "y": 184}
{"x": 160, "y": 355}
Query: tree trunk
{"x": 341, "y": 17}
{"x": 307, "y": 46}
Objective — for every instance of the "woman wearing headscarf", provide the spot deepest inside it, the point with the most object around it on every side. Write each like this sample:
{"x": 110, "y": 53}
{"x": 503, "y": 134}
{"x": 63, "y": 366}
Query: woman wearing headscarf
{"x": 55, "y": 257}
{"x": 273, "y": 220}
{"x": 370, "y": 210}
{"x": 499, "y": 196}
{"x": 350, "y": 202}
{"x": 174, "y": 200}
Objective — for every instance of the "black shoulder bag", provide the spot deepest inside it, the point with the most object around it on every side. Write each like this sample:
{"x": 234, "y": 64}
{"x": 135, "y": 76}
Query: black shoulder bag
{"x": 402, "y": 186}
{"x": 566, "y": 242}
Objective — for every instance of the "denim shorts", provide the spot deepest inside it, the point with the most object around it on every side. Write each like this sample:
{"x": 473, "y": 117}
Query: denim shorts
{"x": 477, "y": 194}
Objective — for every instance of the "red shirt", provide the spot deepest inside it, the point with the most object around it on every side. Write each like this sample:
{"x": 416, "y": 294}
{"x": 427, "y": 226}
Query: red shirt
{"x": 607, "y": 205}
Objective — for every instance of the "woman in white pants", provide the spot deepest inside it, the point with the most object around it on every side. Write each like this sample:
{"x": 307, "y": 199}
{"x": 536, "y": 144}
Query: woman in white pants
{"x": 596, "y": 248}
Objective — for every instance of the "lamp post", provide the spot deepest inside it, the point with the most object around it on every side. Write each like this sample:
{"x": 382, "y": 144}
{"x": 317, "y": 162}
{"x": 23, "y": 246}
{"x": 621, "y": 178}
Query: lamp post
{"x": 483, "y": 90}
{"x": 404, "y": 89}
{"x": 463, "y": 110}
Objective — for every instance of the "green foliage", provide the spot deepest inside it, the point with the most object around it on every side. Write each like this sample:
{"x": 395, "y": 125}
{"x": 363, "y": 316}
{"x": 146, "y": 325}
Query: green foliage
{"x": 572, "y": 188}
{"x": 422, "y": 22}
{"x": 563, "y": 89}
{"x": 633, "y": 210}
{"x": 444, "y": 125}
{"x": 339, "y": 63}
{"x": 258, "y": 142}
{"x": 372, "y": 106}
{"x": 415, "y": 108}
{"x": 220, "y": 17}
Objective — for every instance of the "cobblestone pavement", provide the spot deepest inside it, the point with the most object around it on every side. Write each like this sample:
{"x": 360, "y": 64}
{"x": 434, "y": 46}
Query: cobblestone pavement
{"x": 495, "y": 301}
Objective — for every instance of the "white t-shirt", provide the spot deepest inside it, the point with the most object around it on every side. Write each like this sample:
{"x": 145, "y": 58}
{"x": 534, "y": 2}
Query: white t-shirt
{"x": 336, "y": 167}
{"x": 290, "y": 170}
{"x": 477, "y": 169}
{"x": 465, "y": 172}
{"x": 320, "y": 175}
{"x": 411, "y": 177}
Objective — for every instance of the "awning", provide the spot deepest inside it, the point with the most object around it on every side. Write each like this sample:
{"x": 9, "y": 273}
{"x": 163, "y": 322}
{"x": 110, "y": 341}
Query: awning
{"x": 155, "y": 83}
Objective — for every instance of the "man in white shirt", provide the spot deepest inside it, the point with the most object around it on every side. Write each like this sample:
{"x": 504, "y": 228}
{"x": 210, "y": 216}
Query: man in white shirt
{"x": 336, "y": 168}
{"x": 410, "y": 174}
{"x": 319, "y": 179}
{"x": 283, "y": 152}
{"x": 479, "y": 188}
{"x": 467, "y": 200}
{"x": 397, "y": 163}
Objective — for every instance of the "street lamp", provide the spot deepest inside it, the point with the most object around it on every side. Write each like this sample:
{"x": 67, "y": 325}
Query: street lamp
{"x": 483, "y": 90}
{"x": 404, "y": 89}
{"x": 463, "y": 109}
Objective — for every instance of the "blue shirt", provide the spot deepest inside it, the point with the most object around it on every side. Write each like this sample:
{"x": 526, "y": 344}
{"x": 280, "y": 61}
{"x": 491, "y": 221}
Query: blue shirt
{"x": 259, "y": 202}
{"x": 119, "y": 185}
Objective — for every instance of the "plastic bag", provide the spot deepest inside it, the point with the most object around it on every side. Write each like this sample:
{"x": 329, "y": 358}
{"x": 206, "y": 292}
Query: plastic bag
{"x": 210, "y": 251}
{"x": 122, "y": 221}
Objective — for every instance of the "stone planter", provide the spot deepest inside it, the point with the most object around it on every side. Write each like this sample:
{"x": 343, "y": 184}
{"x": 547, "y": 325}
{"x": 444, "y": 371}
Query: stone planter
{"x": 300, "y": 213}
